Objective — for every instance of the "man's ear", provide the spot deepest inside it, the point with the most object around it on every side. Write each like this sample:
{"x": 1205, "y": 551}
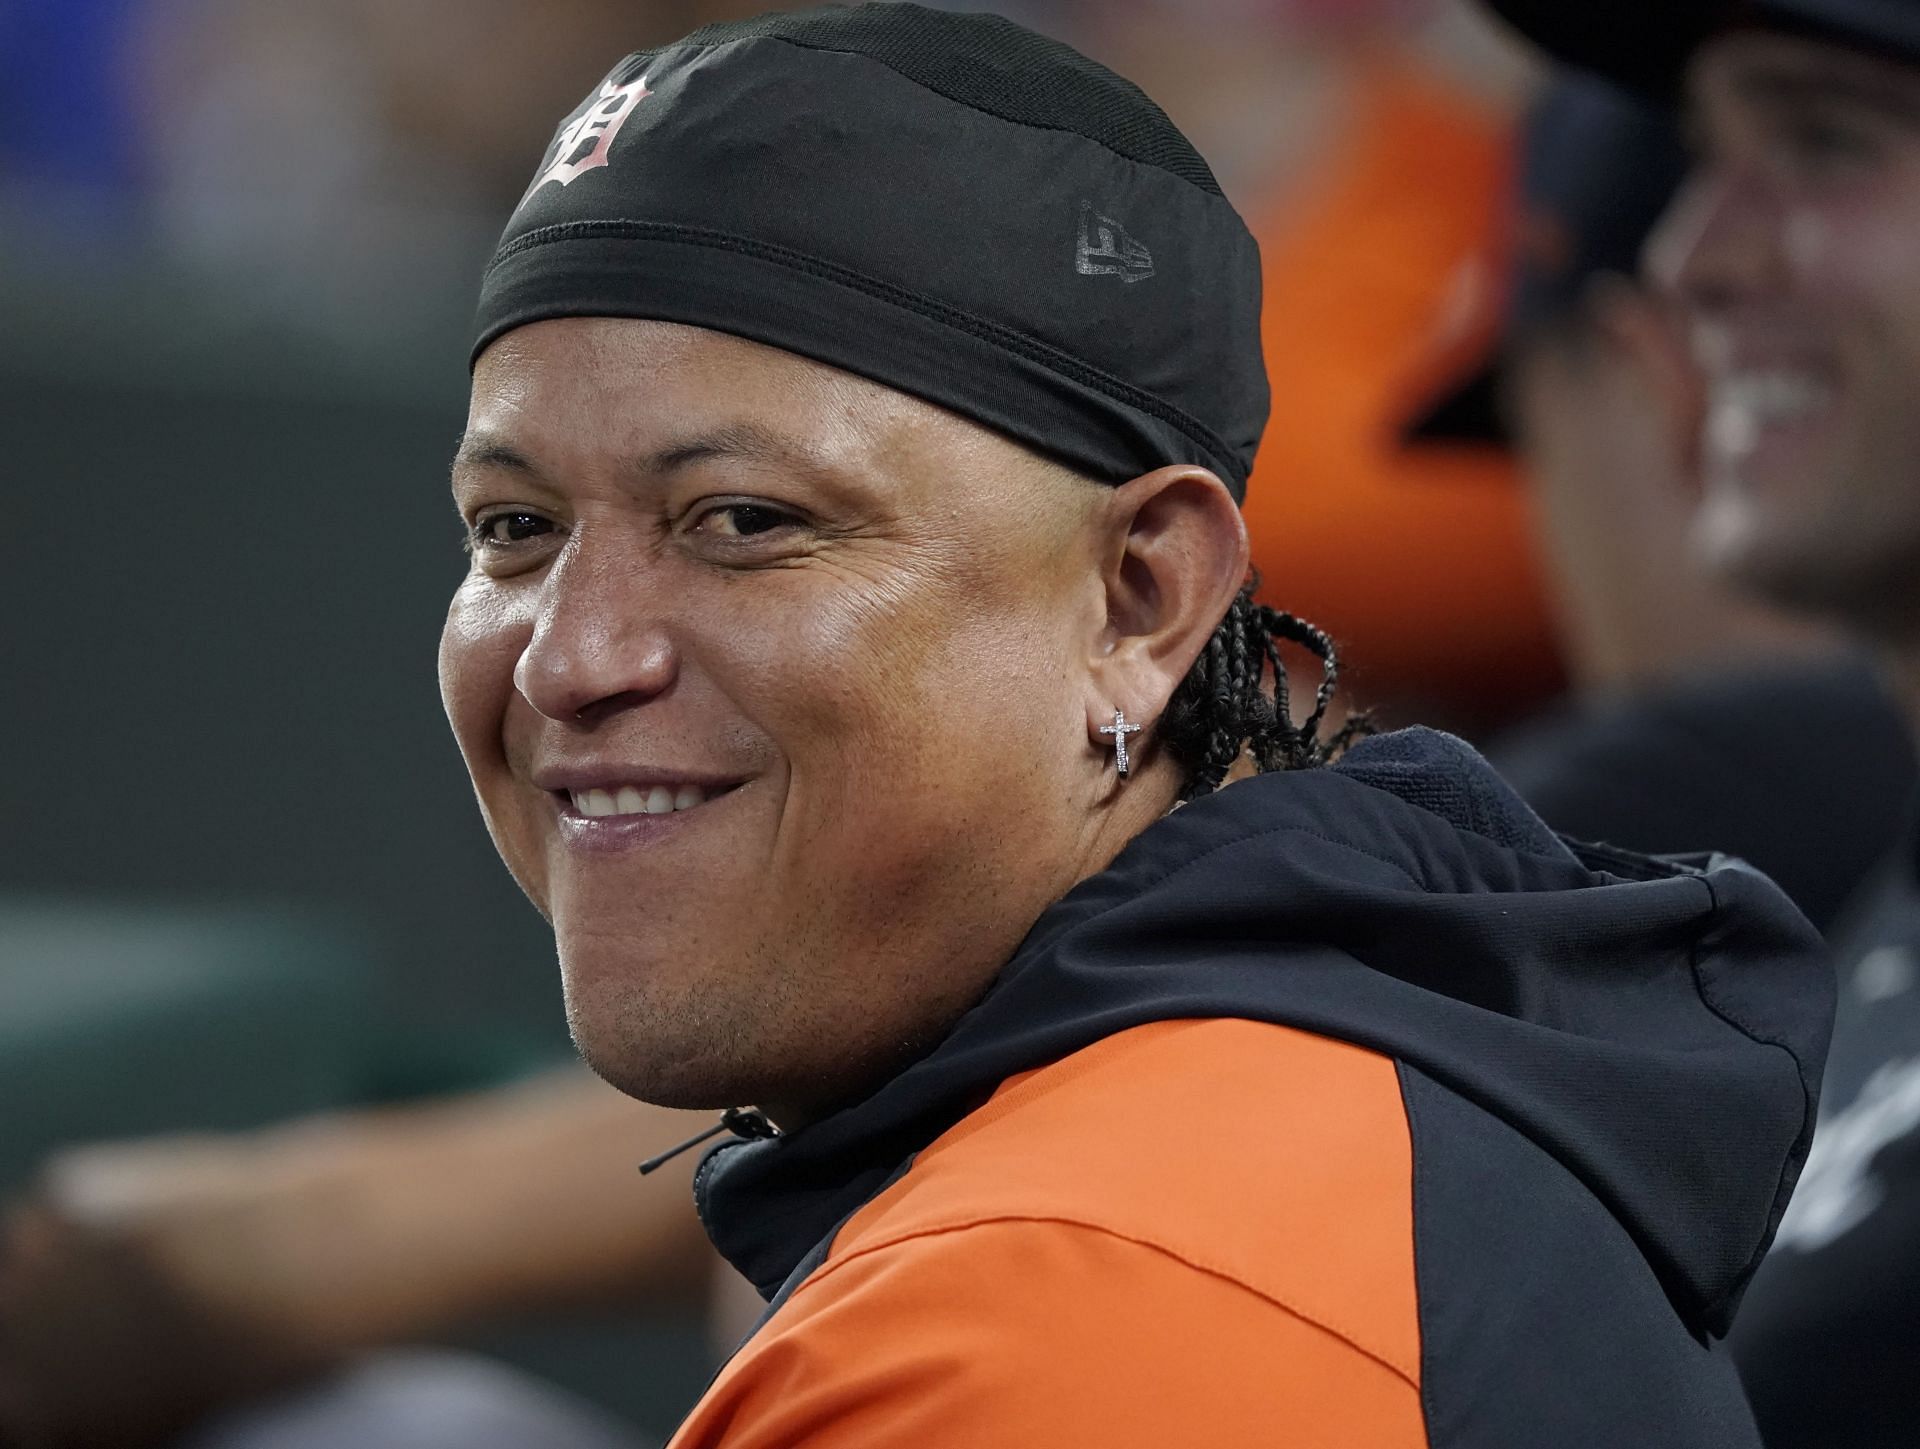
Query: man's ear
{"x": 1174, "y": 556}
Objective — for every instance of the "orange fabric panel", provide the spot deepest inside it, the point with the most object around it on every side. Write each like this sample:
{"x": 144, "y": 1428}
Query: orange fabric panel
{"x": 1195, "y": 1231}
{"x": 1377, "y": 276}
{"x": 1024, "y": 1333}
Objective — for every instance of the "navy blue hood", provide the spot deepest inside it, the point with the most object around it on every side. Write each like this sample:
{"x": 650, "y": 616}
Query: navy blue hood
{"x": 1658, "y": 1026}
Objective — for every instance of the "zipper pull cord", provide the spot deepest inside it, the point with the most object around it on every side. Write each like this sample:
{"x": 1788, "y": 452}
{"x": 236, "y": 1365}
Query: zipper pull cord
{"x": 749, "y": 1123}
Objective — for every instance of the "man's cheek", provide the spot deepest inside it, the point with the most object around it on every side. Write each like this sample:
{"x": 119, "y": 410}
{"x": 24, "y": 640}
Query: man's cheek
{"x": 479, "y": 646}
{"x": 834, "y": 670}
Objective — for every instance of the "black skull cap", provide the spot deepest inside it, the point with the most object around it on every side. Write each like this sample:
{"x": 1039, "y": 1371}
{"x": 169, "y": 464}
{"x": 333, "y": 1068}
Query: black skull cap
{"x": 948, "y": 204}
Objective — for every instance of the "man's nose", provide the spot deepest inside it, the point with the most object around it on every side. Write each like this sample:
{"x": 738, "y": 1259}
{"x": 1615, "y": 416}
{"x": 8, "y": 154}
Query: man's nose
{"x": 1720, "y": 242}
{"x": 598, "y": 643}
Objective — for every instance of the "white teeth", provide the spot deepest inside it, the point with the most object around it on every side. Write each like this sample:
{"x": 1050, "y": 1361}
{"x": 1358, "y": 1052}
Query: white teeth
{"x": 1743, "y": 404}
{"x": 1757, "y": 400}
{"x": 1732, "y": 431}
{"x": 632, "y": 800}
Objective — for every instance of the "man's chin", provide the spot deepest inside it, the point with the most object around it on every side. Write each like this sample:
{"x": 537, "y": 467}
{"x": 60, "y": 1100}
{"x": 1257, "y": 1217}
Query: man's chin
{"x": 659, "y": 1075}
{"x": 1734, "y": 542}
{"x": 1802, "y": 569}
{"x": 666, "y": 1043}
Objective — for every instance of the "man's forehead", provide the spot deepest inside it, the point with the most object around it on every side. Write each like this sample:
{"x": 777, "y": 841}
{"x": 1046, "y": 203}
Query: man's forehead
{"x": 1774, "y": 68}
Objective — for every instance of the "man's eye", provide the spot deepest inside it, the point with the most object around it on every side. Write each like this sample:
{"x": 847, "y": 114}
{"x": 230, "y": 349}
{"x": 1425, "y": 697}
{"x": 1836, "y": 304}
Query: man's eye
{"x": 742, "y": 520}
{"x": 1824, "y": 141}
{"x": 504, "y": 529}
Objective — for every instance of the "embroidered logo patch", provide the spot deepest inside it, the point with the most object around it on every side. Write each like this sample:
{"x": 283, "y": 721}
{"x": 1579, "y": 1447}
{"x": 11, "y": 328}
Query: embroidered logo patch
{"x": 587, "y": 141}
{"x": 1105, "y": 249}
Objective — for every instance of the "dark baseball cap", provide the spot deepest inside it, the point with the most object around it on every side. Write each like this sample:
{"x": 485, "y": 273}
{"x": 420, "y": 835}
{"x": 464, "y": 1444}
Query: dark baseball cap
{"x": 945, "y": 203}
{"x": 1597, "y": 167}
{"x": 1646, "y": 44}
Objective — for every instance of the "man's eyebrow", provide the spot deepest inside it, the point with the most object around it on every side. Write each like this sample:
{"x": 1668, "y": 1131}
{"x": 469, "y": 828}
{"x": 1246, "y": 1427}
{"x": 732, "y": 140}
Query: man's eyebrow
{"x": 746, "y": 441}
{"x": 1892, "y": 96}
{"x": 488, "y": 450}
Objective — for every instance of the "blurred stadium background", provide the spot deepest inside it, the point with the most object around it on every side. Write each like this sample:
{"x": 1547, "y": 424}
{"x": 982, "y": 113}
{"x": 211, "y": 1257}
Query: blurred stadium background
{"x": 241, "y": 875}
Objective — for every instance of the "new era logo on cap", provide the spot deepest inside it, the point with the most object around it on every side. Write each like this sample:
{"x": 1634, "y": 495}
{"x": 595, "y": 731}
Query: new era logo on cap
{"x": 1105, "y": 249}
{"x": 587, "y": 142}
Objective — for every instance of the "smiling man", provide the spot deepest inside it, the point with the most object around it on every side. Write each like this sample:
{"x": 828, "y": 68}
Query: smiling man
{"x": 757, "y": 636}
{"x": 853, "y": 653}
{"x": 1794, "y": 252}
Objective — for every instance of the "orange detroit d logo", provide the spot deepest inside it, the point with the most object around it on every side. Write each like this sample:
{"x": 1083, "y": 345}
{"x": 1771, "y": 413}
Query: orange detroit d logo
{"x": 587, "y": 140}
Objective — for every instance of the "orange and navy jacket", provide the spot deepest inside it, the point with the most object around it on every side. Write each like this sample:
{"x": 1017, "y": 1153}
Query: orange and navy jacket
{"x": 1349, "y": 1107}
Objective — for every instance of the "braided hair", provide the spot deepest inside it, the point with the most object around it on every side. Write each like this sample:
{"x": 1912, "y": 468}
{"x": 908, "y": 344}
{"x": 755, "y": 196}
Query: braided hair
{"x": 1223, "y": 708}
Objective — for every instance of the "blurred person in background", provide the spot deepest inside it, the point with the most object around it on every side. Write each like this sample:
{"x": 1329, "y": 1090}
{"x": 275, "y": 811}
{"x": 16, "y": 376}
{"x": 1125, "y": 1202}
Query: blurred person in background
{"x": 1690, "y": 705}
{"x": 1790, "y": 254}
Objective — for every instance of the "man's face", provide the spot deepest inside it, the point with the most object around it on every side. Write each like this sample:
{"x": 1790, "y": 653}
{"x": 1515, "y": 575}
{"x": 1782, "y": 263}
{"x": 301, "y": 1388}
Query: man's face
{"x": 1795, "y": 251}
{"x": 766, "y": 679}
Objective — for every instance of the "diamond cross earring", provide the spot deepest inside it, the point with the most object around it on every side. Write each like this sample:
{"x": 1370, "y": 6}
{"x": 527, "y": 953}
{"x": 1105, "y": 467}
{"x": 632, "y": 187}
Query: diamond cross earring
{"x": 1120, "y": 729}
